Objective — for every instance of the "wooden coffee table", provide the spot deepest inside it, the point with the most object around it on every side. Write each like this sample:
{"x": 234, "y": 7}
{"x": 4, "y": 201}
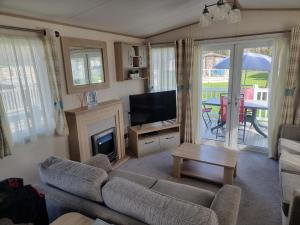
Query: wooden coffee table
{"x": 73, "y": 218}
{"x": 212, "y": 163}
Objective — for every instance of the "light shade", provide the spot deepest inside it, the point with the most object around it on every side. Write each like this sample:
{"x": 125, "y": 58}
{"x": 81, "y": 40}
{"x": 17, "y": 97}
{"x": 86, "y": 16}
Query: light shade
{"x": 220, "y": 12}
{"x": 234, "y": 16}
{"x": 205, "y": 20}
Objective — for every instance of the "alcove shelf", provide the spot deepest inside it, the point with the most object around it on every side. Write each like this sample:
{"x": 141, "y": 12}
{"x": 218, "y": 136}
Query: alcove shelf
{"x": 130, "y": 58}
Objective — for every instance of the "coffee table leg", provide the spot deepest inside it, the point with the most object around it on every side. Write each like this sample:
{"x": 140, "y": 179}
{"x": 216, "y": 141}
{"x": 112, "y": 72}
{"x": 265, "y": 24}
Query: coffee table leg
{"x": 228, "y": 175}
{"x": 235, "y": 171}
{"x": 176, "y": 166}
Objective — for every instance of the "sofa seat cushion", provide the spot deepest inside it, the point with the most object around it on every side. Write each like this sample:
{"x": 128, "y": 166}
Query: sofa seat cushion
{"x": 153, "y": 208}
{"x": 134, "y": 177}
{"x": 185, "y": 192}
{"x": 74, "y": 177}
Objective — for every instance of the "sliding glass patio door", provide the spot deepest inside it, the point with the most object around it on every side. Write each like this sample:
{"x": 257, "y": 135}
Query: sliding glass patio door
{"x": 234, "y": 93}
{"x": 215, "y": 93}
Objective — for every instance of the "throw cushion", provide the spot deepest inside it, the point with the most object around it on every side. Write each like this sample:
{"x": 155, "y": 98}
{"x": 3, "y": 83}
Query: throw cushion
{"x": 152, "y": 207}
{"x": 74, "y": 177}
{"x": 100, "y": 161}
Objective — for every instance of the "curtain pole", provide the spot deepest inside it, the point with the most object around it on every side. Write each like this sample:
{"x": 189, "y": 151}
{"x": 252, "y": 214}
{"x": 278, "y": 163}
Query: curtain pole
{"x": 39, "y": 31}
{"x": 225, "y": 37}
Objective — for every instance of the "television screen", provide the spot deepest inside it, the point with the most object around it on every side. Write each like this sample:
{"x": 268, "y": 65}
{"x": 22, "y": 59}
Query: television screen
{"x": 152, "y": 107}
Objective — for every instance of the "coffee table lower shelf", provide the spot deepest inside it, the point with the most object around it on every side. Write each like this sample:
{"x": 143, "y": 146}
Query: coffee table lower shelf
{"x": 202, "y": 171}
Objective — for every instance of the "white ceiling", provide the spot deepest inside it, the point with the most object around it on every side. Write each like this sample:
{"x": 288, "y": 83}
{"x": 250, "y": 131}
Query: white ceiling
{"x": 133, "y": 17}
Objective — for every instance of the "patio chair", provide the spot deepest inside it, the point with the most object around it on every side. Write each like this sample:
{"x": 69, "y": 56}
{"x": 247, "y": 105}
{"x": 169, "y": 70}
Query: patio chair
{"x": 206, "y": 111}
{"x": 223, "y": 113}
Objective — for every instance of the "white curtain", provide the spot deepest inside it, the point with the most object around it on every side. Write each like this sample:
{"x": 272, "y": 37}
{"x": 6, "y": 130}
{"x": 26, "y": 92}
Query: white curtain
{"x": 26, "y": 102}
{"x": 162, "y": 77}
{"x": 278, "y": 81}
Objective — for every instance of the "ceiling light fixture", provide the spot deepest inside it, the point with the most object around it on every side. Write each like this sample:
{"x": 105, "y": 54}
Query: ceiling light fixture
{"x": 223, "y": 11}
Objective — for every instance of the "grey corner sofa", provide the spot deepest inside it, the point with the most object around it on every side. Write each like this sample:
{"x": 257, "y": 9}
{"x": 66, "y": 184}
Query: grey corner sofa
{"x": 119, "y": 197}
{"x": 289, "y": 173}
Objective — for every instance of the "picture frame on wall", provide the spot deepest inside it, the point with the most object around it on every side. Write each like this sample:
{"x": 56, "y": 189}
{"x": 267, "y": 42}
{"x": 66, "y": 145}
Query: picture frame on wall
{"x": 91, "y": 98}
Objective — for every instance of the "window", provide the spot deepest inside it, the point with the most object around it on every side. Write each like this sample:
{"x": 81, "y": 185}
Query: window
{"x": 163, "y": 76}
{"x": 26, "y": 102}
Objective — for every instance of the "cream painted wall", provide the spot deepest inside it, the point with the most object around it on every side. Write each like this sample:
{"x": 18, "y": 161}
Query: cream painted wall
{"x": 25, "y": 158}
{"x": 252, "y": 22}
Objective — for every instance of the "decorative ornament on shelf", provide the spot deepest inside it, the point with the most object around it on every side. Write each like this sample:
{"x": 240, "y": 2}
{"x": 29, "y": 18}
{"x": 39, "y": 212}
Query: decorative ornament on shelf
{"x": 228, "y": 11}
{"x": 91, "y": 98}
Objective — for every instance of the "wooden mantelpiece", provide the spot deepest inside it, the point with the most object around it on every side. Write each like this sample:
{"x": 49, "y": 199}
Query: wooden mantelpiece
{"x": 80, "y": 119}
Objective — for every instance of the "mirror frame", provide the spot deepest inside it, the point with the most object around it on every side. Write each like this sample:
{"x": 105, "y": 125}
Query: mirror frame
{"x": 66, "y": 44}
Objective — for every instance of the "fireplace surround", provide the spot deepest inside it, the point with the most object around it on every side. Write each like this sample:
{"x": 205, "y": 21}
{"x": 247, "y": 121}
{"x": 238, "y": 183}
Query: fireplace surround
{"x": 83, "y": 121}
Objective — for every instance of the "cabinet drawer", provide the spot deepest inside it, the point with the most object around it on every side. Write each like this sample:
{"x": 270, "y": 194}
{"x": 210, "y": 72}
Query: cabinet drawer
{"x": 168, "y": 141}
{"x": 148, "y": 145}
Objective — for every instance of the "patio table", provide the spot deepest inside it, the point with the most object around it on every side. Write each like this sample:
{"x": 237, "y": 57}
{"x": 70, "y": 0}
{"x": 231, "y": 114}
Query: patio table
{"x": 249, "y": 104}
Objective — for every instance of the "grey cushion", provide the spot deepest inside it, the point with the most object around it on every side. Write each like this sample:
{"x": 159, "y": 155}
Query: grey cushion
{"x": 289, "y": 183}
{"x": 134, "y": 177}
{"x": 185, "y": 192}
{"x": 74, "y": 177}
{"x": 60, "y": 202}
{"x": 226, "y": 204}
{"x": 152, "y": 207}
{"x": 100, "y": 161}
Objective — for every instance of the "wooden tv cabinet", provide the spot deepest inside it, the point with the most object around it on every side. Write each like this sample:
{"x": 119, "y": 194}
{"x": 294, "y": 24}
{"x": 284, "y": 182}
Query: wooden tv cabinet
{"x": 154, "y": 137}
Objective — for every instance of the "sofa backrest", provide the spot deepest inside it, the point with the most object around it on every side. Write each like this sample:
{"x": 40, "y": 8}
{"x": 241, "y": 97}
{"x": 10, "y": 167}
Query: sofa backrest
{"x": 74, "y": 177}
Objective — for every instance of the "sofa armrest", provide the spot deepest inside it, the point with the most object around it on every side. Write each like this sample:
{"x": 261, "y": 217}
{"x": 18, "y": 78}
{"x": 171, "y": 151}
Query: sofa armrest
{"x": 100, "y": 161}
{"x": 294, "y": 211}
{"x": 226, "y": 204}
{"x": 291, "y": 132}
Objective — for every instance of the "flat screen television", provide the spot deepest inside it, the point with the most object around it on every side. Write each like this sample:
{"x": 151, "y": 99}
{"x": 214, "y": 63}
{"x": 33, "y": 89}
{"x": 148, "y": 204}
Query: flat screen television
{"x": 152, "y": 107}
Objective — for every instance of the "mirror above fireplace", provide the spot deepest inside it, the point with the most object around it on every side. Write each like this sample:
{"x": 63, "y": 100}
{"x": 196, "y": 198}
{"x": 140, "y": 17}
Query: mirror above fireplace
{"x": 86, "y": 64}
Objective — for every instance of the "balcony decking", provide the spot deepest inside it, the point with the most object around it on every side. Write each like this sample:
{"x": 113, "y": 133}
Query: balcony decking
{"x": 252, "y": 138}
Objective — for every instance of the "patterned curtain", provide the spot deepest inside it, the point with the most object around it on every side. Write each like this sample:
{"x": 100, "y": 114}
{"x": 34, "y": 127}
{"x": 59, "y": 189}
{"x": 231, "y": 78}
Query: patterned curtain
{"x": 55, "y": 71}
{"x": 291, "y": 107}
{"x": 184, "y": 69}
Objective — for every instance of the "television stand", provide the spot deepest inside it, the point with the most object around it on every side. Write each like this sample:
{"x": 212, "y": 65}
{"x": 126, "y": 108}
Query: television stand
{"x": 153, "y": 137}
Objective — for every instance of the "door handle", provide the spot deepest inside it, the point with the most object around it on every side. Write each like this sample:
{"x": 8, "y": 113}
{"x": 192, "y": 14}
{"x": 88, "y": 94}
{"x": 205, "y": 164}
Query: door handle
{"x": 149, "y": 142}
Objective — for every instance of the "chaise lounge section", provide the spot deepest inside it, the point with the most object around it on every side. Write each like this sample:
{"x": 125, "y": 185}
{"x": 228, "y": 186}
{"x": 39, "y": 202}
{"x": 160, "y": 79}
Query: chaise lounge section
{"x": 126, "y": 198}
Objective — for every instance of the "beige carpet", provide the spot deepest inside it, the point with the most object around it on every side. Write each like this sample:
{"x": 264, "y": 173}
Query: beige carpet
{"x": 257, "y": 176}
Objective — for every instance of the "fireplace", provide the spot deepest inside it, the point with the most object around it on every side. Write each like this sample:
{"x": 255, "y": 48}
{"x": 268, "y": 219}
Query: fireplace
{"x": 104, "y": 142}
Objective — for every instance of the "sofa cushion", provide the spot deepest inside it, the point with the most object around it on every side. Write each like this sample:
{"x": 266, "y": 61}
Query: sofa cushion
{"x": 289, "y": 162}
{"x": 134, "y": 177}
{"x": 185, "y": 192}
{"x": 74, "y": 177}
{"x": 153, "y": 208}
{"x": 226, "y": 204}
{"x": 100, "y": 161}
{"x": 288, "y": 145}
